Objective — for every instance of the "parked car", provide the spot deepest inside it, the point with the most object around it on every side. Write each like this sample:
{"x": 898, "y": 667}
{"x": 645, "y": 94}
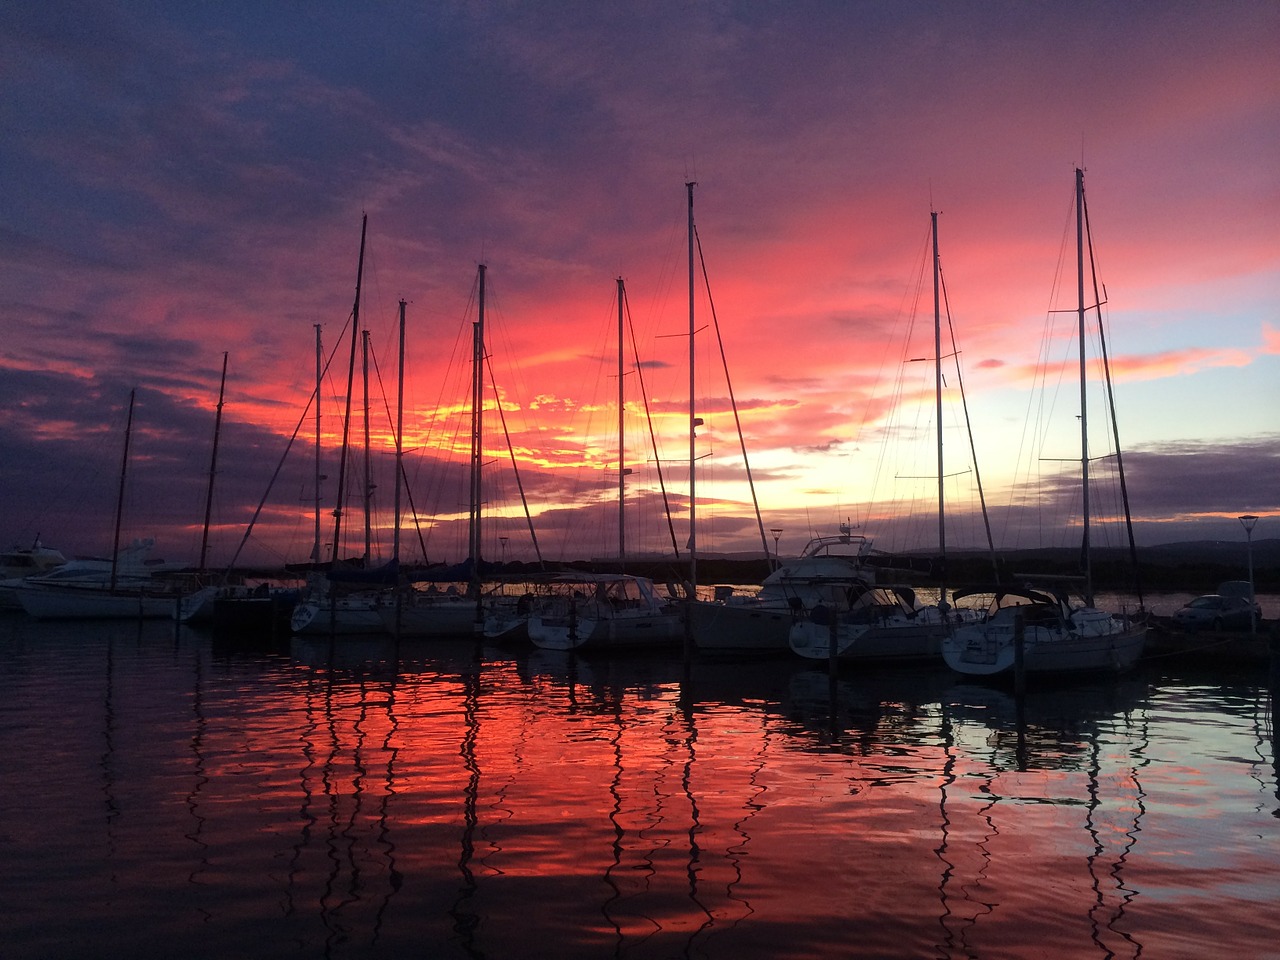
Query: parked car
{"x": 1216, "y": 612}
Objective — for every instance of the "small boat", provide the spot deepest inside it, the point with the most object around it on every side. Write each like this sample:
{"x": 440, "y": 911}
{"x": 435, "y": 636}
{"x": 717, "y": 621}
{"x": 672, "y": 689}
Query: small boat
{"x": 762, "y": 623}
{"x": 122, "y": 588}
{"x": 29, "y": 561}
{"x": 95, "y": 588}
{"x": 609, "y": 611}
{"x": 22, "y": 562}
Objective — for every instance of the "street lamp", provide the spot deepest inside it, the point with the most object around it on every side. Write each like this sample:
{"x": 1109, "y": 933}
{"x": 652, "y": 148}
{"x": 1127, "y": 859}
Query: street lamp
{"x": 503, "y": 541}
{"x": 1247, "y": 521}
{"x": 777, "y": 532}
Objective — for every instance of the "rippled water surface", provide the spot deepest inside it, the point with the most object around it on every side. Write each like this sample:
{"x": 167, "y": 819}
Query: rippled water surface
{"x": 166, "y": 795}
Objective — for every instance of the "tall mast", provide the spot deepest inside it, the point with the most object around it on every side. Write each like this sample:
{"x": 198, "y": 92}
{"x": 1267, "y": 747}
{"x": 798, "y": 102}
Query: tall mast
{"x": 346, "y": 420}
{"x": 622, "y": 456}
{"x": 477, "y": 425}
{"x": 1098, "y": 300}
{"x": 213, "y": 466}
{"x": 124, "y": 467}
{"x": 368, "y": 478}
{"x": 1084, "y": 412}
{"x": 395, "y": 537}
{"x": 937, "y": 387}
{"x": 315, "y": 549}
{"x": 693, "y": 422}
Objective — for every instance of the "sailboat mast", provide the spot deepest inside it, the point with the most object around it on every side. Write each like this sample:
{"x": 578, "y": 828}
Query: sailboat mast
{"x": 368, "y": 478}
{"x": 213, "y": 466}
{"x": 346, "y": 419}
{"x": 937, "y": 386}
{"x": 622, "y": 457}
{"x": 1084, "y": 413}
{"x": 477, "y": 425}
{"x": 1098, "y": 300}
{"x": 315, "y": 549}
{"x": 693, "y": 422}
{"x": 395, "y": 536}
{"x": 124, "y": 467}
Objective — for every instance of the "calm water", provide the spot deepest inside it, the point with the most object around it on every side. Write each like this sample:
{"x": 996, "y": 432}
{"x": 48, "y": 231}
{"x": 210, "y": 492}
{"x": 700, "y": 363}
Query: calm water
{"x": 162, "y": 795}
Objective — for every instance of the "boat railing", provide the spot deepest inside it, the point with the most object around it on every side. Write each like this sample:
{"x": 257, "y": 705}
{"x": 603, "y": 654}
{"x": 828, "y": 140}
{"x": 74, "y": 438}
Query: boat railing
{"x": 826, "y": 546}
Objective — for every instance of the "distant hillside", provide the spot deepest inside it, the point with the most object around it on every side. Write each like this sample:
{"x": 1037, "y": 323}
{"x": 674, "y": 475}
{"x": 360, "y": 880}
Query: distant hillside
{"x": 1196, "y": 566}
{"x": 1191, "y": 566}
{"x": 1266, "y": 553}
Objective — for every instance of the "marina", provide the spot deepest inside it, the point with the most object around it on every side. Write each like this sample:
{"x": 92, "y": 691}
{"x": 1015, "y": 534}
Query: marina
{"x": 424, "y": 537}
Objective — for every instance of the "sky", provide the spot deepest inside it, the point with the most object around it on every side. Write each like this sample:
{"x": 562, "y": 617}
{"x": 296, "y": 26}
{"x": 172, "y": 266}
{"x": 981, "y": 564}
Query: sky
{"x": 188, "y": 180}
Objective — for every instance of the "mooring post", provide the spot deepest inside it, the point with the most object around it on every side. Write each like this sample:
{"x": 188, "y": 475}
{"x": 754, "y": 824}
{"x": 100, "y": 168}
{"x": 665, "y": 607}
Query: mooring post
{"x": 832, "y": 646}
{"x": 1019, "y": 654}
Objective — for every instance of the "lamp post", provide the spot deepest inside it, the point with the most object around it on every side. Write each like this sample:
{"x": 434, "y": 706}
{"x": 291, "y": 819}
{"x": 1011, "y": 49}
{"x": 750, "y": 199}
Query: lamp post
{"x": 777, "y": 532}
{"x": 503, "y": 541}
{"x": 1247, "y": 521}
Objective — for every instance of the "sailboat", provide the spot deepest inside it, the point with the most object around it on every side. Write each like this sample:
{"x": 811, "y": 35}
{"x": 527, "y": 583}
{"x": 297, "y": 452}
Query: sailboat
{"x": 736, "y": 623}
{"x": 338, "y": 604}
{"x": 607, "y": 610}
{"x": 197, "y": 606}
{"x": 882, "y": 622}
{"x": 122, "y": 588}
{"x": 1043, "y": 630}
{"x": 457, "y": 610}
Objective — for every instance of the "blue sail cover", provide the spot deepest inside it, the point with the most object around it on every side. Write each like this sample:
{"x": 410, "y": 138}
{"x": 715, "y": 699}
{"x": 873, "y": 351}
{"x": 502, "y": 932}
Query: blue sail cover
{"x": 462, "y": 572}
{"x": 386, "y": 575}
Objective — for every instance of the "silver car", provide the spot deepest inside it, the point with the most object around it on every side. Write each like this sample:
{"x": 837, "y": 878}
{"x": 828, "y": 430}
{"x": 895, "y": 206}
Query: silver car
{"x": 1216, "y": 612}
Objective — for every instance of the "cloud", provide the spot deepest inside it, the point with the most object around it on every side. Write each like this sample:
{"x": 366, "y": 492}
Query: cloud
{"x": 192, "y": 182}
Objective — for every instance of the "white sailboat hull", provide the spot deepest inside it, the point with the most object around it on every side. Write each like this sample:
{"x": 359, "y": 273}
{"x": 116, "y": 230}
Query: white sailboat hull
{"x": 750, "y": 627}
{"x": 600, "y": 630}
{"x": 817, "y": 641}
{"x": 73, "y": 604}
{"x": 988, "y": 649}
{"x": 349, "y": 615}
{"x": 196, "y": 607}
{"x": 446, "y": 617}
{"x": 506, "y": 624}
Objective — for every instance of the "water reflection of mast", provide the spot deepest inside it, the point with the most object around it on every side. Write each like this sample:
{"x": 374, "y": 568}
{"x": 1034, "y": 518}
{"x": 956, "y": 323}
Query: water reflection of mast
{"x": 695, "y": 826}
{"x": 327, "y": 769}
{"x": 1265, "y": 728}
{"x": 465, "y": 919}
{"x": 944, "y": 824}
{"x": 392, "y": 751}
{"x": 201, "y": 777}
{"x": 619, "y": 832}
{"x": 305, "y": 778}
{"x": 1098, "y": 912}
{"x": 955, "y": 924}
{"x": 107, "y": 760}
{"x": 348, "y": 836}
{"x": 734, "y": 854}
